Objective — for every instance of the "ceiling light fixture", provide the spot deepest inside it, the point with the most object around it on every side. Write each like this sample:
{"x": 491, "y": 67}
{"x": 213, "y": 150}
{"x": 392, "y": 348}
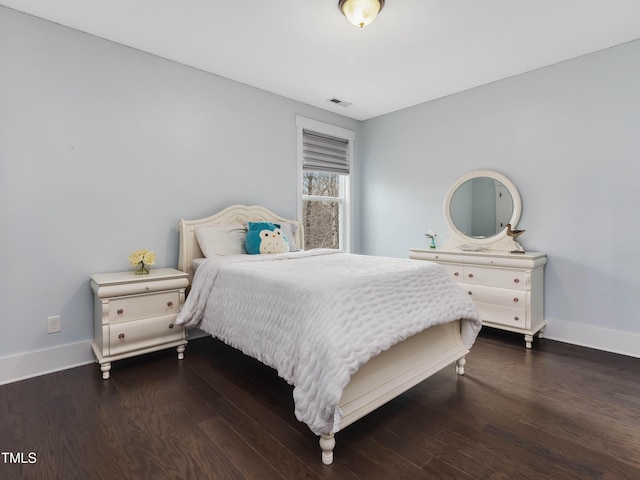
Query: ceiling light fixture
{"x": 360, "y": 12}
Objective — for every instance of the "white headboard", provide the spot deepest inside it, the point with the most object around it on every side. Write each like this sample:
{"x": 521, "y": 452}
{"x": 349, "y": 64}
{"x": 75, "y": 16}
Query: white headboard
{"x": 189, "y": 248}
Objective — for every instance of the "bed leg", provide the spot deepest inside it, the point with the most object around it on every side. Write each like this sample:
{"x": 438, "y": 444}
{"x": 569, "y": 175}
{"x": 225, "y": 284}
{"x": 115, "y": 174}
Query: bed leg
{"x": 327, "y": 444}
{"x": 460, "y": 363}
{"x": 180, "y": 349}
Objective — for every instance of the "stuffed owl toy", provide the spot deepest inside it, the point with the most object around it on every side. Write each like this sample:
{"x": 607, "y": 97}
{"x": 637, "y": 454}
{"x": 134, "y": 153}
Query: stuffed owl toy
{"x": 273, "y": 241}
{"x": 265, "y": 238}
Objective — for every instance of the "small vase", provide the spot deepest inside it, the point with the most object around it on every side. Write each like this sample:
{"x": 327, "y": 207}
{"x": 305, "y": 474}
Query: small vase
{"x": 142, "y": 269}
{"x": 433, "y": 242}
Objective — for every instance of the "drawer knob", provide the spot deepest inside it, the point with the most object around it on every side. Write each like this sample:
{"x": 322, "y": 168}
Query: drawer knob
{"x": 121, "y": 336}
{"x": 471, "y": 275}
{"x": 470, "y": 292}
{"x": 516, "y": 280}
{"x": 516, "y": 318}
{"x": 456, "y": 274}
{"x": 515, "y": 300}
{"x": 171, "y": 325}
{"x": 169, "y": 303}
{"x": 120, "y": 311}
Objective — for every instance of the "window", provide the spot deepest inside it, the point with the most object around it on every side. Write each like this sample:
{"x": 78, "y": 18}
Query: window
{"x": 325, "y": 167}
{"x": 322, "y": 209}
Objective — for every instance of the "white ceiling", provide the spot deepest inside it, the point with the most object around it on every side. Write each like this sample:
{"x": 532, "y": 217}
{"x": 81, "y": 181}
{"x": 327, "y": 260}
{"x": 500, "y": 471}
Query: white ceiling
{"x": 415, "y": 51}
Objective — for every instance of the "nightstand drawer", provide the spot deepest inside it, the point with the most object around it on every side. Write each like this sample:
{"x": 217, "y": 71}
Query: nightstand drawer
{"x": 143, "y": 306}
{"x": 492, "y": 277}
{"x": 139, "y": 334}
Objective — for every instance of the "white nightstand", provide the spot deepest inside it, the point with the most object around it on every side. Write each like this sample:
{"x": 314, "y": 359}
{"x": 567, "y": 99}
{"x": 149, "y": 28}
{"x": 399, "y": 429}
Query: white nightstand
{"x": 135, "y": 314}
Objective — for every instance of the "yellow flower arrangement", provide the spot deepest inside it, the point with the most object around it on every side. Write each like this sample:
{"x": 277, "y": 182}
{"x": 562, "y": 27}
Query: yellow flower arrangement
{"x": 142, "y": 260}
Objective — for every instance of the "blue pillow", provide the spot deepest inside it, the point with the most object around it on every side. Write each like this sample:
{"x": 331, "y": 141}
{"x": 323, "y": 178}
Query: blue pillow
{"x": 265, "y": 237}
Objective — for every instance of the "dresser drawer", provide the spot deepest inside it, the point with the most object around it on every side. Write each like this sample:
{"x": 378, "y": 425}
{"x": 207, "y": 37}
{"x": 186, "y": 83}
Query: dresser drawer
{"x": 503, "y": 315}
{"x": 442, "y": 257}
{"x": 500, "y": 305}
{"x": 136, "y": 307}
{"x": 497, "y": 296}
{"x": 495, "y": 277}
{"x": 455, "y": 271}
{"x": 139, "y": 334}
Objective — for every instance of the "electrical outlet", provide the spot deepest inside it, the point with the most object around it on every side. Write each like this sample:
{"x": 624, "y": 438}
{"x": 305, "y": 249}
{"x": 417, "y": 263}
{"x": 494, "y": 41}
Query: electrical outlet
{"x": 54, "y": 324}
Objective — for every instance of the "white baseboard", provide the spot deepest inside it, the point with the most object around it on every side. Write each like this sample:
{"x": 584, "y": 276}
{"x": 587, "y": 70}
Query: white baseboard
{"x": 40, "y": 362}
{"x": 614, "y": 341}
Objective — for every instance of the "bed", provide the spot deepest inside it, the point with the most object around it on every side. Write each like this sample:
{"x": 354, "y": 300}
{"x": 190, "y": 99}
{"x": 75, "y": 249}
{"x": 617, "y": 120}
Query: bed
{"x": 349, "y": 332}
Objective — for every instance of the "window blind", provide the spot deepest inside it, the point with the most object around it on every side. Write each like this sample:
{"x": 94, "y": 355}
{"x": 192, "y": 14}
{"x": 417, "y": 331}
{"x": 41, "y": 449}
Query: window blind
{"x": 323, "y": 153}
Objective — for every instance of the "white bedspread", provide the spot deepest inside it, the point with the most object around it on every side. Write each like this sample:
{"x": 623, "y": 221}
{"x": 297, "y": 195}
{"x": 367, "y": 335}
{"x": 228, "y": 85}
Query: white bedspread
{"x": 317, "y": 316}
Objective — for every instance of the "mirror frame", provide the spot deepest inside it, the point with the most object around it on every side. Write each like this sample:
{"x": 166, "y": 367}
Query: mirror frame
{"x": 499, "y": 241}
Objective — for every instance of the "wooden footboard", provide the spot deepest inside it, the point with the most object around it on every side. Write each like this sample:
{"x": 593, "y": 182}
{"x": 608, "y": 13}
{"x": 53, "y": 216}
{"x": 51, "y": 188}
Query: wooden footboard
{"x": 395, "y": 371}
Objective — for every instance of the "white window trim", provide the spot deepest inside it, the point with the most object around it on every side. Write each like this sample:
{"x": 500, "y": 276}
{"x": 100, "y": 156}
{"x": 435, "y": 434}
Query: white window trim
{"x": 303, "y": 123}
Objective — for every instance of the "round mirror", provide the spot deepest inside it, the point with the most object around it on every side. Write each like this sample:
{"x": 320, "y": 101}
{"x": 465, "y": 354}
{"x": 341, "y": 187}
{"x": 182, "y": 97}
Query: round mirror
{"x": 478, "y": 208}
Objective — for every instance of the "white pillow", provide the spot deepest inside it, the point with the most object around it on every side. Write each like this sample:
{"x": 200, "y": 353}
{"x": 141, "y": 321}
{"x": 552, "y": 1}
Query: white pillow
{"x": 224, "y": 239}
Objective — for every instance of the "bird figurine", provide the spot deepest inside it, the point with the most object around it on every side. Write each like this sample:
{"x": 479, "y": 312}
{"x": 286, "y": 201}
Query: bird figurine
{"x": 513, "y": 233}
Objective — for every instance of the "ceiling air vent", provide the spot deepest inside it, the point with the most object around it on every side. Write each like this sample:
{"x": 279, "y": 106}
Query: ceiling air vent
{"x": 337, "y": 101}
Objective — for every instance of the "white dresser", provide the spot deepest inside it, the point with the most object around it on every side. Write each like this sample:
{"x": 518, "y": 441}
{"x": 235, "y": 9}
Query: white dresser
{"x": 507, "y": 288}
{"x": 135, "y": 314}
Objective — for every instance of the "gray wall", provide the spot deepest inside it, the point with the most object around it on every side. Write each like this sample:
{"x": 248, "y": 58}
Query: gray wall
{"x": 102, "y": 150}
{"x": 568, "y": 136}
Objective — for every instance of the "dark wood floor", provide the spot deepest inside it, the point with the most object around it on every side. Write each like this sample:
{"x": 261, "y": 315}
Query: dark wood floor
{"x": 557, "y": 411}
